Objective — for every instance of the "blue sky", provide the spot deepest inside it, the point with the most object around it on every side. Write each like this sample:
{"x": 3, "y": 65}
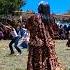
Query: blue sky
{"x": 57, "y": 6}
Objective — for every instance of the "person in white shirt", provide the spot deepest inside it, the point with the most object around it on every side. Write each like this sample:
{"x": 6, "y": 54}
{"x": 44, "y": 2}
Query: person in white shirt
{"x": 25, "y": 36}
{"x": 15, "y": 39}
{"x": 13, "y": 33}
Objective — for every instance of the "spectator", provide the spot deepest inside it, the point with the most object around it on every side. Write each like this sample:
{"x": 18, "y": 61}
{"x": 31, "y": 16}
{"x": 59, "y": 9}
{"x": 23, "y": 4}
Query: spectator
{"x": 68, "y": 42}
{"x": 69, "y": 27}
{"x": 66, "y": 31}
{"x": 1, "y": 35}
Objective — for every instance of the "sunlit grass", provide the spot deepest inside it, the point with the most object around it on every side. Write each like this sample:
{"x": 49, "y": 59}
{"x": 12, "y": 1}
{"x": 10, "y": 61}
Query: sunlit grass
{"x": 15, "y": 62}
{"x": 11, "y": 62}
{"x": 63, "y": 53}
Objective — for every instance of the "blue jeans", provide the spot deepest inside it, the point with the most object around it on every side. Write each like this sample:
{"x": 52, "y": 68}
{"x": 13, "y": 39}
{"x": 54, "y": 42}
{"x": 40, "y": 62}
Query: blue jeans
{"x": 24, "y": 45}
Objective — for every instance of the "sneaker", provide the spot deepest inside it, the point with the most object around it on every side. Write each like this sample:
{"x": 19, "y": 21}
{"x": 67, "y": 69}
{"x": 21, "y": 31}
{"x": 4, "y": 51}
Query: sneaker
{"x": 18, "y": 54}
{"x": 11, "y": 53}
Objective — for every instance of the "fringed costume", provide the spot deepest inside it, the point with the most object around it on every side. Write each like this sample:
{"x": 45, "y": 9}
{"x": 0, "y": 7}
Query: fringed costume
{"x": 42, "y": 54}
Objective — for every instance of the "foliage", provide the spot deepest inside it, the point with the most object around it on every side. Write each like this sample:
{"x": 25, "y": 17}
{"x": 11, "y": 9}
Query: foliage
{"x": 8, "y": 6}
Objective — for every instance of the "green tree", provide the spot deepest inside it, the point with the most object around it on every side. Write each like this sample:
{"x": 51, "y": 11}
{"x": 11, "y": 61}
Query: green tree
{"x": 8, "y": 6}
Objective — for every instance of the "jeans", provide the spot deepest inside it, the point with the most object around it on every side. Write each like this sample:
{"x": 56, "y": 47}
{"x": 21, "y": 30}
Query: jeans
{"x": 15, "y": 42}
{"x": 24, "y": 45}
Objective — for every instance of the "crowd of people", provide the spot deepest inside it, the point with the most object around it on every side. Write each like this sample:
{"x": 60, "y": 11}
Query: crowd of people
{"x": 64, "y": 31}
{"x": 59, "y": 32}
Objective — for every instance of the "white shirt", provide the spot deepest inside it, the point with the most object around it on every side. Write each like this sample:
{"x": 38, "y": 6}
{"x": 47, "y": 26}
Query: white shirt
{"x": 27, "y": 33}
{"x": 14, "y": 33}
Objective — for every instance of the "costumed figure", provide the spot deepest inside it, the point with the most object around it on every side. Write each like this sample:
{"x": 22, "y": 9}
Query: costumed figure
{"x": 42, "y": 55}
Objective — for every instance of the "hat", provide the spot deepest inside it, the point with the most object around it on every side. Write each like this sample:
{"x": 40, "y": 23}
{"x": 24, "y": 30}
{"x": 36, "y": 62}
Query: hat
{"x": 43, "y": 2}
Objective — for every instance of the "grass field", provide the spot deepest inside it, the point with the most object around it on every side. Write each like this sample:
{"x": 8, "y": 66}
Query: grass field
{"x": 63, "y": 53}
{"x": 19, "y": 62}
